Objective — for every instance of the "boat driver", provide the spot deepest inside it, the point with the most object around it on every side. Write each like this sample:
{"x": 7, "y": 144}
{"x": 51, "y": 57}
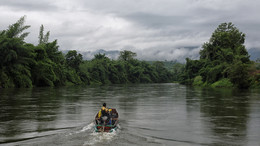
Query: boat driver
{"x": 103, "y": 114}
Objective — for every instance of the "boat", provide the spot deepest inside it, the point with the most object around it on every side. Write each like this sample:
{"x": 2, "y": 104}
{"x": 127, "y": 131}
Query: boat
{"x": 106, "y": 126}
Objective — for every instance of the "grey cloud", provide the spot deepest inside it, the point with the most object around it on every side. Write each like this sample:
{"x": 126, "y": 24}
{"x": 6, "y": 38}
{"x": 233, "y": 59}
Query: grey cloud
{"x": 155, "y": 20}
{"x": 151, "y": 28}
{"x": 169, "y": 54}
{"x": 28, "y": 5}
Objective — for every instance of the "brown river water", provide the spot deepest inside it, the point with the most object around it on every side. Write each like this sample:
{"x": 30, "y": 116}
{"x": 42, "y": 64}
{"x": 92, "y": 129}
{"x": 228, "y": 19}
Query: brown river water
{"x": 149, "y": 114}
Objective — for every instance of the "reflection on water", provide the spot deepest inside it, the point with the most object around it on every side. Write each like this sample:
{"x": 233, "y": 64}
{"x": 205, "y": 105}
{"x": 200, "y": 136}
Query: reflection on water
{"x": 225, "y": 113}
{"x": 22, "y": 108}
{"x": 150, "y": 114}
{"x": 229, "y": 108}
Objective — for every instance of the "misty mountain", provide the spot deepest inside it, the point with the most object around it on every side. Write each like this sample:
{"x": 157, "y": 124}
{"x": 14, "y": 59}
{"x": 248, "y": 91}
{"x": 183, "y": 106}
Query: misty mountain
{"x": 254, "y": 53}
{"x": 160, "y": 55}
{"x": 88, "y": 55}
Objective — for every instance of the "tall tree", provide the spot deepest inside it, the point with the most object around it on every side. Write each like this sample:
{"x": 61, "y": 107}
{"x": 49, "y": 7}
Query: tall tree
{"x": 126, "y": 55}
{"x": 225, "y": 42}
{"x": 222, "y": 57}
{"x": 15, "y": 56}
{"x": 74, "y": 59}
{"x": 16, "y": 30}
{"x": 43, "y": 39}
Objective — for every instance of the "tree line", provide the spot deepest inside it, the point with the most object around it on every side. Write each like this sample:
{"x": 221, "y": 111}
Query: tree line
{"x": 25, "y": 65}
{"x": 224, "y": 62}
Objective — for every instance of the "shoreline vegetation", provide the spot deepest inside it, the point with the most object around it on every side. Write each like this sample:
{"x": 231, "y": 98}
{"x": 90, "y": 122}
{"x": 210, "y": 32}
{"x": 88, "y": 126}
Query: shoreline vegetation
{"x": 224, "y": 62}
{"x": 24, "y": 65}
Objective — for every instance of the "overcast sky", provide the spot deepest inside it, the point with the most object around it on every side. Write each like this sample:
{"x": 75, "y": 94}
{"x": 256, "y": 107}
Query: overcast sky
{"x": 154, "y": 29}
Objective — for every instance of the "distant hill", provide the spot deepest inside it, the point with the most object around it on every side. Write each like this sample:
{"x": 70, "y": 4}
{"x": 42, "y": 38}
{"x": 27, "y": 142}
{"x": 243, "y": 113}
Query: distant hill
{"x": 113, "y": 54}
{"x": 150, "y": 55}
{"x": 88, "y": 55}
{"x": 254, "y": 53}
{"x": 167, "y": 64}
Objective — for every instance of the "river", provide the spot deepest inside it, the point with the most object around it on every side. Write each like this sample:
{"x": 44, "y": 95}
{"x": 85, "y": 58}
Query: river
{"x": 149, "y": 114}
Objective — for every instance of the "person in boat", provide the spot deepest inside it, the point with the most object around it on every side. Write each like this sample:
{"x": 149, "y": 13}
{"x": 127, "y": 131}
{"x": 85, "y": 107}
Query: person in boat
{"x": 104, "y": 114}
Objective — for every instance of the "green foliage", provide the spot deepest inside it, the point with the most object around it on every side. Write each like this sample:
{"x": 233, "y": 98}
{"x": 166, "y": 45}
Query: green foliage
{"x": 126, "y": 55}
{"x": 223, "y": 83}
{"x": 222, "y": 60}
{"x": 239, "y": 74}
{"x": 102, "y": 70}
{"x": 191, "y": 70}
{"x": 226, "y": 41}
{"x": 197, "y": 81}
{"x": 43, "y": 39}
{"x": 5, "y": 81}
{"x": 177, "y": 71}
{"x": 117, "y": 72}
{"x": 43, "y": 73}
{"x": 256, "y": 79}
{"x": 73, "y": 59}
{"x": 163, "y": 74}
{"x": 257, "y": 64}
{"x": 73, "y": 77}
{"x": 26, "y": 65}
{"x": 15, "y": 57}
{"x": 99, "y": 70}
{"x": 15, "y": 30}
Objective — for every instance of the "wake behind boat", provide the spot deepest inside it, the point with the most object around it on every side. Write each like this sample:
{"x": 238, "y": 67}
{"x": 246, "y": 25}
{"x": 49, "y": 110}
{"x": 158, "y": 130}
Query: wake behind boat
{"x": 108, "y": 124}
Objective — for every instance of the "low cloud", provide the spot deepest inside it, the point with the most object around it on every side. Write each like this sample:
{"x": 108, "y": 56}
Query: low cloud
{"x": 169, "y": 54}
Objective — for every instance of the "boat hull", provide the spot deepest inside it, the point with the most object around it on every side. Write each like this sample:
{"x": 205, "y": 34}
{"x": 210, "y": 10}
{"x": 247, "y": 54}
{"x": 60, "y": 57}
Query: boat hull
{"x": 106, "y": 128}
{"x": 113, "y": 126}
